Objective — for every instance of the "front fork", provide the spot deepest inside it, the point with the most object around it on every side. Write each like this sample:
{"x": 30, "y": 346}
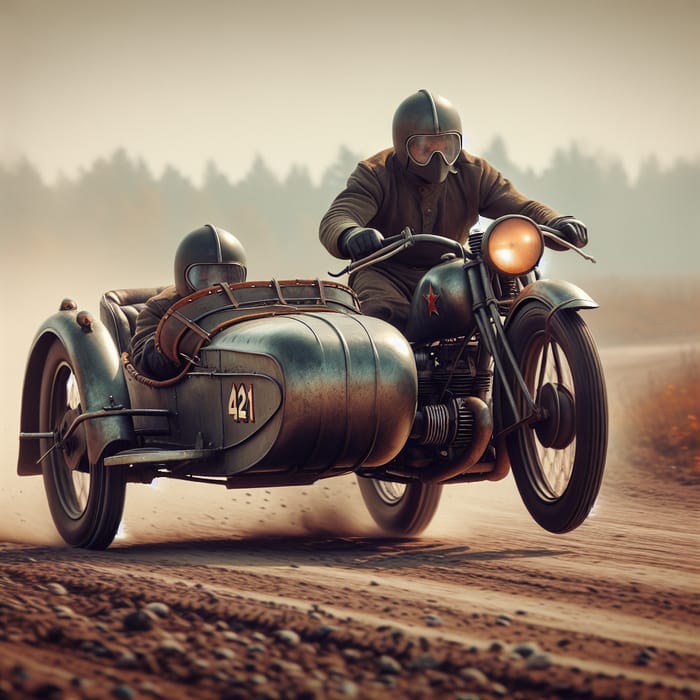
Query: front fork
{"x": 493, "y": 336}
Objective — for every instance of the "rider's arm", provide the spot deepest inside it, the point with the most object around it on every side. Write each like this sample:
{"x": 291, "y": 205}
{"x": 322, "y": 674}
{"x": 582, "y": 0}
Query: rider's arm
{"x": 143, "y": 352}
{"x": 355, "y": 206}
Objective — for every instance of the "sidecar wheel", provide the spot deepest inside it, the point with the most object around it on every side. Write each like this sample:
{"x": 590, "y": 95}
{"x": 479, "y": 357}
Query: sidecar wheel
{"x": 401, "y": 510}
{"x": 86, "y": 501}
{"x": 558, "y": 462}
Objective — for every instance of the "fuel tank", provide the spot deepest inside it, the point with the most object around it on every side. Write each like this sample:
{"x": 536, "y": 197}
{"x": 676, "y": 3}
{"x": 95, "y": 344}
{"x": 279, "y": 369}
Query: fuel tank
{"x": 442, "y": 305}
{"x": 314, "y": 392}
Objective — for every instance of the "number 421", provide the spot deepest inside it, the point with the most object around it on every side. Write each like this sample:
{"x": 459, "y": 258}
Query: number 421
{"x": 240, "y": 403}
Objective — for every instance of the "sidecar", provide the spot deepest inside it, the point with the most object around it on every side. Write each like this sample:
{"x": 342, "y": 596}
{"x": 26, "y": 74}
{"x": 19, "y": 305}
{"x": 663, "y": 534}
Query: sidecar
{"x": 282, "y": 383}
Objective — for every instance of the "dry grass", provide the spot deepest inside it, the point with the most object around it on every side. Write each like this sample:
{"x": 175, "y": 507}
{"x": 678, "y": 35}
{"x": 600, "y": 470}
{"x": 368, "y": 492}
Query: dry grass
{"x": 665, "y": 422}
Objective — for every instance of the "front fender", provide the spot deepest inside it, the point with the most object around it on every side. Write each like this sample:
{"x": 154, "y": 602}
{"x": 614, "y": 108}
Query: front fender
{"x": 96, "y": 365}
{"x": 555, "y": 294}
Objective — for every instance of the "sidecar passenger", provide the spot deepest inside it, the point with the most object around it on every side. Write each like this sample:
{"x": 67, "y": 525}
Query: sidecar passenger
{"x": 206, "y": 256}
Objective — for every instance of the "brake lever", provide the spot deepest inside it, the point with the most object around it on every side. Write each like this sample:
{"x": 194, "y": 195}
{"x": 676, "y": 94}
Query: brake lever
{"x": 548, "y": 232}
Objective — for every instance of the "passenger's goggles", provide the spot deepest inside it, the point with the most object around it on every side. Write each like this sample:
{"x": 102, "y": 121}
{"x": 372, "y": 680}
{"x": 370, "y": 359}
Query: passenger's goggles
{"x": 201, "y": 276}
{"x": 422, "y": 146}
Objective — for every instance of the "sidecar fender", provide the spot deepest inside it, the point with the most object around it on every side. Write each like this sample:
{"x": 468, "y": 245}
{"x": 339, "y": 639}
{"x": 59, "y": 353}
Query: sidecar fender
{"x": 555, "y": 294}
{"x": 97, "y": 368}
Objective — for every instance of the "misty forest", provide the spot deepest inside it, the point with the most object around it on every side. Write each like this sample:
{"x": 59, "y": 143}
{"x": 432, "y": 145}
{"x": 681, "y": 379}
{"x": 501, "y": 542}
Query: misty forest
{"x": 117, "y": 224}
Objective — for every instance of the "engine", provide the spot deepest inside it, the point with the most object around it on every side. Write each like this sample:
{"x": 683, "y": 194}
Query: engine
{"x": 452, "y": 410}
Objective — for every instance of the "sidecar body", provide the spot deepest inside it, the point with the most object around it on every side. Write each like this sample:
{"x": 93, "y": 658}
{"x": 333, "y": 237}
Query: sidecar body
{"x": 283, "y": 383}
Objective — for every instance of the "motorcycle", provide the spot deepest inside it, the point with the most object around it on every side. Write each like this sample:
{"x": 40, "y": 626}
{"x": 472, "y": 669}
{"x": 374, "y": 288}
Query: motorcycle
{"x": 509, "y": 378}
{"x": 286, "y": 382}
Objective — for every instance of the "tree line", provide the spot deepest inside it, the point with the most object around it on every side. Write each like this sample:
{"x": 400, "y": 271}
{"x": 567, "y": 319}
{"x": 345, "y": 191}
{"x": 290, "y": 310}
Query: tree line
{"x": 117, "y": 218}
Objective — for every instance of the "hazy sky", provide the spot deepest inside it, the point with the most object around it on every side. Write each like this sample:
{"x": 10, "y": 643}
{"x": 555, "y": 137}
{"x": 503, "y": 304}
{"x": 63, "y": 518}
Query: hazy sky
{"x": 184, "y": 82}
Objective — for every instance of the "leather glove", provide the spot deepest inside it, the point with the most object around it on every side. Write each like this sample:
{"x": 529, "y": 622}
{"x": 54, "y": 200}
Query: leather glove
{"x": 359, "y": 242}
{"x": 571, "y": 230}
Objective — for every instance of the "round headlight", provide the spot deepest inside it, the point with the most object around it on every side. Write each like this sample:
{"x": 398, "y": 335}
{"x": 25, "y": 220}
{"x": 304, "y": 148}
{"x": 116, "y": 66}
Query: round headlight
{"x": 513, "y": 245}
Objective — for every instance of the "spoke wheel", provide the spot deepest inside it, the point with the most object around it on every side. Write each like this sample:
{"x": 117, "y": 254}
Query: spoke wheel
{"x": 401, "y": 510}
{"x": 86, "y": 501}
{"x": 558, "y": 460}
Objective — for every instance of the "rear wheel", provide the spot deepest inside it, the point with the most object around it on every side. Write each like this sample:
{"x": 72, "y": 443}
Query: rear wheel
{"x": 558, "y": 460}
{"x": 401, "y": 510}
{"x": 86, "y": 500}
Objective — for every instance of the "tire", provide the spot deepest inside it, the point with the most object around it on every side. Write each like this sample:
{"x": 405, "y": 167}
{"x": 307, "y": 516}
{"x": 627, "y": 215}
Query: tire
{"x": 86, "y": 501}
{"x": 558, "y": 462}
{"x": 401, "y": 510}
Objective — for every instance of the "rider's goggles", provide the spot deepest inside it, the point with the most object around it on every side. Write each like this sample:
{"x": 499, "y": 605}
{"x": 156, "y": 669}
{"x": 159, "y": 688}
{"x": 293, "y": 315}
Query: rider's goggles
{"x": 421, "y": 147}
{"x": 201, "y": 276}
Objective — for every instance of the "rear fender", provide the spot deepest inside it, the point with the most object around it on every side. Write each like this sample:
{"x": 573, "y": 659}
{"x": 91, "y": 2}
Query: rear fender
{"x": 97, "y": 368}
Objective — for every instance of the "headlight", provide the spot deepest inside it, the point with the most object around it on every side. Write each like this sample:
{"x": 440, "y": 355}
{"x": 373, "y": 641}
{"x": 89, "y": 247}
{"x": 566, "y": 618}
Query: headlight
{"x": 513, "y": 245}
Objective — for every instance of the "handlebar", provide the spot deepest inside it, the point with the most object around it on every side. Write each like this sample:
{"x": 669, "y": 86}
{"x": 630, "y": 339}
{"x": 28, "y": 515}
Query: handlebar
{"x": 392, "y": 245}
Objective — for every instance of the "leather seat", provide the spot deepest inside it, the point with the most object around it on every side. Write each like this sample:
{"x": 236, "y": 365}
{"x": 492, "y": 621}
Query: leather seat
{"x": 119, "y": 309}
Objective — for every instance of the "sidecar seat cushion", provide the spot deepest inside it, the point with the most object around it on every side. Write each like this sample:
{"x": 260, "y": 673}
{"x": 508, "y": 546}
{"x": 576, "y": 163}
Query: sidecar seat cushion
{"x": 119, "y": 309}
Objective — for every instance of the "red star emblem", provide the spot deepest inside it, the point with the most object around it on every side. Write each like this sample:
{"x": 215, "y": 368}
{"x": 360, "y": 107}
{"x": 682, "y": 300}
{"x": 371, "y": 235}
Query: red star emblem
{"x": 432, "y": 300}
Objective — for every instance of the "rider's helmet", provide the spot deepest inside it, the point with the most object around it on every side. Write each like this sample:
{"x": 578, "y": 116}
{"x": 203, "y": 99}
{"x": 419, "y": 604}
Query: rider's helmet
{"x": 207, "y": 256}
{"x": 427, "y": 133}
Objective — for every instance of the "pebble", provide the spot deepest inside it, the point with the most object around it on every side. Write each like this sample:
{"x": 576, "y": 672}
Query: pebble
{"x": 159, "y": 609}
{"x": 56, "y": 589}
{"x": 474, "y": 674}
{"x": 645, "y": 656}
{"x": 346, "y": 687}
{"x": 288, "y": 637}
{"x": 352, "y": 654}
{"x": 122, "y": 692}
{"x": 170, "y": 646}
{"x": 538, "y": 662}
{"x": 388, "y": 664}
{"x": 423, "y": 662}
{"x": 323, "y": 631}
{"x": 224, "y": 653}
{"x": 526, "y": 649}
{"x": 126, "y": 660}
{"x": 433, "y": 620}
{"x": 137, "y": 621}
{"x": 63, "y": 611}
{"x": 288, "y": 667}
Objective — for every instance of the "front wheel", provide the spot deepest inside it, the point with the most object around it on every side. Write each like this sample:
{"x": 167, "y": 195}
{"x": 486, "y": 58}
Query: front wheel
{"x": 401, "y": 510}
{"x": 558, "y": 459}
{"x": 86, "y": 500}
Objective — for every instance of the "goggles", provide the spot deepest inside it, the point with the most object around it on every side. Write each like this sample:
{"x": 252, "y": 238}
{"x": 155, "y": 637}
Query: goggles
{"x": 421, "y": 147}
{"x": 203, "y": 275}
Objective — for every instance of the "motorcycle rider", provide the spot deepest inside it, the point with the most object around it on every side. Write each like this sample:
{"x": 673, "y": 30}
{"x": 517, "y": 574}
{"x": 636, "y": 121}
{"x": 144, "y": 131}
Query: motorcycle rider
{"x": 206, "y": 256}
{"x": 429, "y": 183}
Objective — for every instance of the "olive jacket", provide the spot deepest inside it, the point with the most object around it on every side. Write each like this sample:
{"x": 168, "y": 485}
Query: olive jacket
{"x": 382, "y": 194}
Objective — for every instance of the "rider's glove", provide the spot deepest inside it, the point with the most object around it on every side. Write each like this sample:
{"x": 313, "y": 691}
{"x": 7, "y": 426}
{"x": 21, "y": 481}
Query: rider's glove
{"x": 571, "y": 230}
{"x": 359, "y": 242}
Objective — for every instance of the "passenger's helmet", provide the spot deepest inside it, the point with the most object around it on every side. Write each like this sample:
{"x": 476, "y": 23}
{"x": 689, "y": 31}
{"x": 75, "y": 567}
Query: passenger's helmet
{"x": 427, "y": 133}
{"x": 207, "y": 256}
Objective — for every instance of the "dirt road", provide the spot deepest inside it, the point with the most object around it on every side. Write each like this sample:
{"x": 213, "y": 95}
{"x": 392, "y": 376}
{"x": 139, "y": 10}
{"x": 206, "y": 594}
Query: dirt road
{"x": 290, "y": 593}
